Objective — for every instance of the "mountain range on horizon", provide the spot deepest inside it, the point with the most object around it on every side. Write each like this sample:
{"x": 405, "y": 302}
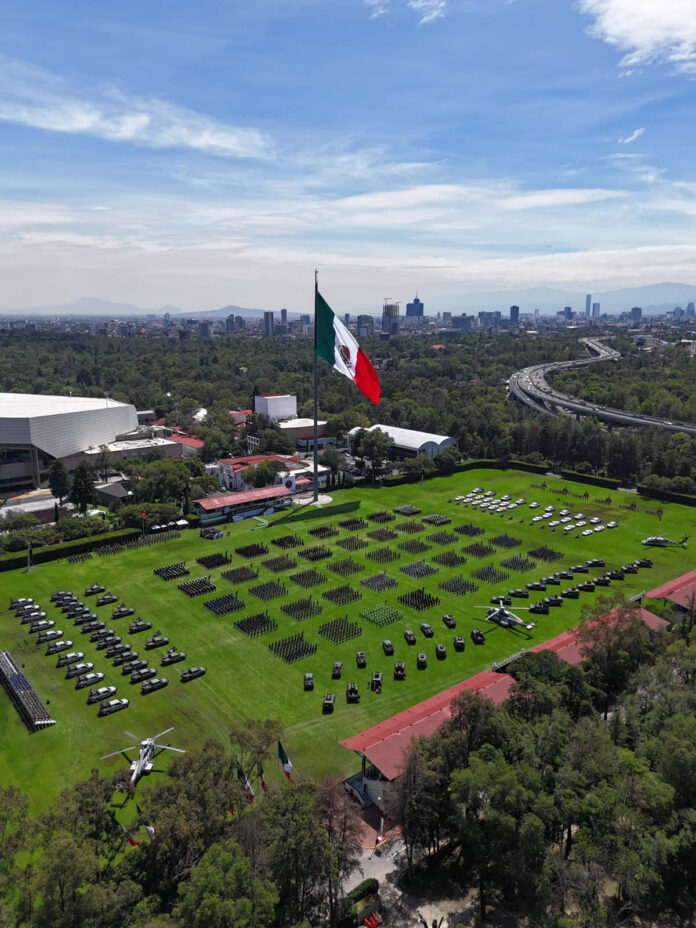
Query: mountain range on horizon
{"x": 652, "y": 298}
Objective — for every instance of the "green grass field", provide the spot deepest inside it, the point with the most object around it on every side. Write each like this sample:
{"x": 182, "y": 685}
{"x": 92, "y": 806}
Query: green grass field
{"x": 244, "y": 680}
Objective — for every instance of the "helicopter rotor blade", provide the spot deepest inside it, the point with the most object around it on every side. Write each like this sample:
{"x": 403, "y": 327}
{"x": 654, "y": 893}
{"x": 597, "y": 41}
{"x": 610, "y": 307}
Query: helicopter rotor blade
{"x": 131, "y": 735}
{"x": 167, "y": 747}
{"x": 114, "y": 753}
{"x": 165, "y": 732}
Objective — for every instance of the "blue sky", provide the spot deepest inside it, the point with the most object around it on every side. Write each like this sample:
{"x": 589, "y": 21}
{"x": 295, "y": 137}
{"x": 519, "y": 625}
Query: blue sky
{"x": 208, "y": 153}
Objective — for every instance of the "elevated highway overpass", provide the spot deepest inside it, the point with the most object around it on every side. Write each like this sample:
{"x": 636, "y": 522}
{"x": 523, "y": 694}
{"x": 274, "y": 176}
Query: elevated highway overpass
{"x": 531, "y": 387}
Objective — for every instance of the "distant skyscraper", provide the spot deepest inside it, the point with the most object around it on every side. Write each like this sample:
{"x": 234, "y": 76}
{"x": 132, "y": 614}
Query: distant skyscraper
{"x": 595, "y": 310}
{"x": 415, "y": 308}
{"x": 447, "y": 319}
{"x": 366, "y": 325}
{"x": 239, "y": 323}
{"x": 346, "y": 318}
{"x": 690, "y": 311}
{"x": 284, "y": 317}
{"x": 229, "y": 325}
{"x": 390, "y": 318}
{"x": 588, "y": 305}
{"x": 636, "y": 313}
{"x": 567, "y": 312}
{"x": 204, "y": 329}
{"x": 268, "y": 323}
{"x": 514, "y": 315}
{"x": 678, "y": 312}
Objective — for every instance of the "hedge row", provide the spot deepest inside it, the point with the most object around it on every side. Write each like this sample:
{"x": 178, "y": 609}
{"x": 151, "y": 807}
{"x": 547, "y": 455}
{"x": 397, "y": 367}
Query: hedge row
{"x": 54, "y": 552}
{"x": 470, "y": 465}
{"x": 609, "y": 483}
{"x": 667, "y": 495}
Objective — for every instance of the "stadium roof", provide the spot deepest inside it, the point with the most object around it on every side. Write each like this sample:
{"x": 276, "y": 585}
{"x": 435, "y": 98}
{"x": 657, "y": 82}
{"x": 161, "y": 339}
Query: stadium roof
{"x": 26, "y": 405}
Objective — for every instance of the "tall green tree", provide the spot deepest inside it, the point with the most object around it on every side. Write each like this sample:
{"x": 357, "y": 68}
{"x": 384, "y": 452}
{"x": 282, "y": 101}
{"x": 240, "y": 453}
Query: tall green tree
{"x": 59, "y": 480}
{"x": 82, "y": 491}
{"x": 224, "y": 893}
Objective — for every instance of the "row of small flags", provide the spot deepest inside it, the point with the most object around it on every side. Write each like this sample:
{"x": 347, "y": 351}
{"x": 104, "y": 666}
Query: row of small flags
{"x": 286, "y": 764}
{"x": 284, "y": 761}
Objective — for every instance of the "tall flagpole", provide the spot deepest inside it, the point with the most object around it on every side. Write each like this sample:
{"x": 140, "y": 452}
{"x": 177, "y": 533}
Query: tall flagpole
{"x": 316, "y": 393}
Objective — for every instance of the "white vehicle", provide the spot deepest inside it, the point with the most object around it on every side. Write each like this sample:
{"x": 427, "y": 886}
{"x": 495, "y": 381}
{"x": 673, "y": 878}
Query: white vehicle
{"x": 489, "y": 493}
{"x": 599, "y": 528}
{"x": 506, "y": 498}
{"x": 534, "y": 505}
{"x": 595, "y": 520}
{"x": 512, "y": 506}
{"x": 564, "y": 512}
{"x": 566, "y": 519}
{"x": 521, "y": 501}
{"x": 458, "y": 499}
{"x": 612, "y": 524}
{"x": 554, "y": 523}
{"x": 549, "y": 509}
{"x": 580, "y": 515}
{"x": 580, "y": 524}
{"x": 588, "y": 531}
{"x": 536, "y": 519}
{"x": 477, "y": 490}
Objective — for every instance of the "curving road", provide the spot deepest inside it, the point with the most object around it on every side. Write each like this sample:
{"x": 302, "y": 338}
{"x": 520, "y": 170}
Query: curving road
{"x": 531, "y": 387}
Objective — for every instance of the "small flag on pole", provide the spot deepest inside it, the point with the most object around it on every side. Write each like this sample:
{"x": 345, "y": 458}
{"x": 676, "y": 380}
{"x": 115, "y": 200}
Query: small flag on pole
{"x": 264, "y": 785}
{"x": 244, "y": 780}
{"x": 132, "y": 841}
{"x": 285, "y": 761}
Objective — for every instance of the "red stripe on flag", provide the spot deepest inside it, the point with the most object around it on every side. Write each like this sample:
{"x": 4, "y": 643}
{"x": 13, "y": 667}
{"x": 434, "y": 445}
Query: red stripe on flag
{"x": 366, "y": 379}
{"x": 287, "y": 775}
{"x": 132, "y": 841}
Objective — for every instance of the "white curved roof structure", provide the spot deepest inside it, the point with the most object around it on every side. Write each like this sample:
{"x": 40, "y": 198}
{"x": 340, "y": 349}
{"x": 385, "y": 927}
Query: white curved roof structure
{"x": 413, "y": 442}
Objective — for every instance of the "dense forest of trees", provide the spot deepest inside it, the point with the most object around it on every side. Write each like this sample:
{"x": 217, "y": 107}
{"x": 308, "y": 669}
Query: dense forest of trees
{"x": 458, "y": 390}
{"x": 575, "y": 802}
{"x": 214, "y": 861}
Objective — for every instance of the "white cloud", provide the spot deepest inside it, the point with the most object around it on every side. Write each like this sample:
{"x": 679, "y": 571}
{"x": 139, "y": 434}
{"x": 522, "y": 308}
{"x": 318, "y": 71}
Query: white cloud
{"x": 647, "y": 30}
{"x": 378, "y": 7}
{"x": 428, "y": 10}
{"x": 636, "y": 134}
{"x": 32, "y": 97}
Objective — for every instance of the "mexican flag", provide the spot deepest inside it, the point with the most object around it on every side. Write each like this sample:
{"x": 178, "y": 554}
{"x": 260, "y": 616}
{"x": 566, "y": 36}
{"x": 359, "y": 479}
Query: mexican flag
{"x": 335, "y": 344}
{"x": 264, "y": 785}
{"x": 132, "y": 841}
{"x": 149, "y": 827}
{"x": 285, "y": 761}
{"x": 244, "y": 780}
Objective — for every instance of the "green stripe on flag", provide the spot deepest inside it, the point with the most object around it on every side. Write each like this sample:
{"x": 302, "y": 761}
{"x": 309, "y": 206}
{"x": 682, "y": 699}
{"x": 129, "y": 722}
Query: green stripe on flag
{"x": 326, "y": 337}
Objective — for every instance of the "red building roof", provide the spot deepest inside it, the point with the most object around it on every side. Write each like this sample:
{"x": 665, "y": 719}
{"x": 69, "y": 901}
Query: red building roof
{"x": 210, "y": 503}
{"x": 681, "y": 590}
{"x": 186, "y": 440}
{"x": 251, "y": 460}
{"x": 384, "y": 744}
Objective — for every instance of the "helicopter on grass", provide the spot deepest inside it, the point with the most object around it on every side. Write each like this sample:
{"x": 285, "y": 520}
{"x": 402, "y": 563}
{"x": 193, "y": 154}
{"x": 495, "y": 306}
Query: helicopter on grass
{"x": 659, "y": 541}
{"x": 506, "y": 619}
{"x": 146, "y": 755}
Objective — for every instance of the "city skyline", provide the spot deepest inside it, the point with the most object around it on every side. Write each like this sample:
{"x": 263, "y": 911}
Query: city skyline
{"x": 204, "y": 156}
